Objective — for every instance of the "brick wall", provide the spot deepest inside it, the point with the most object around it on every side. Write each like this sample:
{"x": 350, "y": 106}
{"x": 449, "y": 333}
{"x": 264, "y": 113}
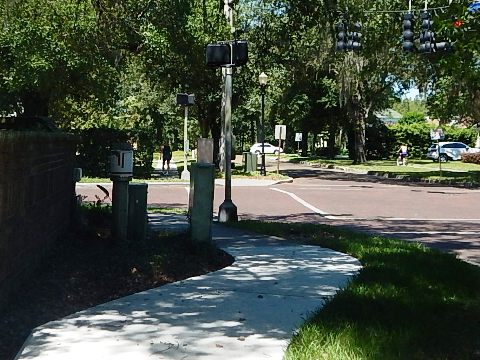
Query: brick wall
{"x": 36, "y": 197}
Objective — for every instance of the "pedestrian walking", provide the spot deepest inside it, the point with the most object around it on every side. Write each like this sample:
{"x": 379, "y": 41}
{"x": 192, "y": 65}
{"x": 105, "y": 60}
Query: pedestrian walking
{"x": 166, "y": 156}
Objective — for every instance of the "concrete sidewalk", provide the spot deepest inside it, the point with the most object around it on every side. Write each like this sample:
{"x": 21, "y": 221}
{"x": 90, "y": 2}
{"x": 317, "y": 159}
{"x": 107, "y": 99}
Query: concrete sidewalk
{"x": 248, "y": 310}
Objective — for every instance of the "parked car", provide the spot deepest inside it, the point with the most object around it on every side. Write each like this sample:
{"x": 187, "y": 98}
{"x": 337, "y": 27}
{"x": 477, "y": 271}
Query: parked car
{"x": 269, "y": 149}
{"x": 451, "y": 150}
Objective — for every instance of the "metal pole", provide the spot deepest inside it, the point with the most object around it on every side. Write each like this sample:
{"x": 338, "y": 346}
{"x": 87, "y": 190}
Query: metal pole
{"x": 263, "y": 169}
{"x": 439, "y": 158}
{"x": 279, "y": 146}
{"x": 228, "y": 210}
{"x": 185, "y": 173}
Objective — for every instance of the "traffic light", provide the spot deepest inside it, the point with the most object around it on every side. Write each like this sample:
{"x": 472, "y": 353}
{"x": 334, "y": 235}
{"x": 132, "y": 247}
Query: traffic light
{"x": 355, "y": 38}
{"x": 408, "y": 35}
{"x": 341, "y": 36}
{"x": 426, "y": 35}
{"x": 351, "y": 41}
{"x": 457, "y": 23}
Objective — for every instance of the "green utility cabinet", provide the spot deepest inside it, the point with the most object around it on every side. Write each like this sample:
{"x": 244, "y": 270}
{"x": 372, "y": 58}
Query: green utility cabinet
{"x": 200, "y": 207}
{"x": 249, "y": 162}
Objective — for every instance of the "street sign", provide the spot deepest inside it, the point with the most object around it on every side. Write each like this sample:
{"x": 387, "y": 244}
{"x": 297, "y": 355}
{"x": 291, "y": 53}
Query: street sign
{"x": 298, "y": 137}
{"x": 280, "y": 132}
{"x": 437, "y": 134}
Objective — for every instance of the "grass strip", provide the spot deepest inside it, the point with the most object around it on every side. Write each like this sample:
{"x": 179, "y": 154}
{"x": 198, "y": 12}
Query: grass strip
{"x": 454, "y": 171}
{"x": 408, "y": 301}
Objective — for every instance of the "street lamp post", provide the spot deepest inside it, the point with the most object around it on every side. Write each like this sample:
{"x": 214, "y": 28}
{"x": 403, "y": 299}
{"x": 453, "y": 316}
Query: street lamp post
{"x": 262, "y": 79}
{"x": 186, "y": 100}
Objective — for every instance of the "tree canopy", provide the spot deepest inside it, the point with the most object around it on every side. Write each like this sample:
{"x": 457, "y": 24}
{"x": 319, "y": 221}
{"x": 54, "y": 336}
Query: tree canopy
{"x": 120, "y": 64}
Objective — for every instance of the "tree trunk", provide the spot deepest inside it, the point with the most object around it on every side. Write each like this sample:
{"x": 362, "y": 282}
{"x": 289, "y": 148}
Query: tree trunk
{"x": 304, "y": 143}
{"x": 34, "y": 104}
{"x": 216, "y": 134}
{"x": 359, "y": 130}
{"x": 221, "y": 142}
{"x": 331, "y": 142}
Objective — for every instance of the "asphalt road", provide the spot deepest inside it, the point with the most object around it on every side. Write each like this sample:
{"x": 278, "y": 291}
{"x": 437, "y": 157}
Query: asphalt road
{"x": 441, "y": 217}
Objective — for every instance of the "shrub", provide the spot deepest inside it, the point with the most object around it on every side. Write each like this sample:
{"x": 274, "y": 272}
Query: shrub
{"x": 94, "y": 149}
{"x": 415, "y": 135}
{"x": 473, "y": 158}
{"x": 380, "y": 140}
{"x": 465, "y": 135}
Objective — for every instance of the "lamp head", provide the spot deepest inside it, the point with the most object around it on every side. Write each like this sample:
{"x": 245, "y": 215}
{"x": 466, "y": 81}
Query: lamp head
{"x": 262, "y": 79}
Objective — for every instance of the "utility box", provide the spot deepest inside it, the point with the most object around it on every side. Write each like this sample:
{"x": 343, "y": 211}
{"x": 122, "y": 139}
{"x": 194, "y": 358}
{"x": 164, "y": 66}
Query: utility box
{"x": 137, "y": 212}
{"x": 249, "y": 162}
{"x": 121, "y": 162}
{"x": 202, "y": 185}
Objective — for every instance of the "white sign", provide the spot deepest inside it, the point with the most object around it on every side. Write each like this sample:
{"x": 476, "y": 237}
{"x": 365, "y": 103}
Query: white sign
{"x": 280, "y": 132}
{"x": 436, "y": 134}
{"x": 298, "y": 137}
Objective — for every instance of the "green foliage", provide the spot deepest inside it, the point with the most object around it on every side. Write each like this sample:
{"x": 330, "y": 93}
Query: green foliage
{"x": 412, "y": 118}
{"x": 416, "y": 136}
{"x": 407, "y": 106}
{"x": 465, "y": 135}
{"x": 379, "y": 140}
{"x": 94, "y": 149}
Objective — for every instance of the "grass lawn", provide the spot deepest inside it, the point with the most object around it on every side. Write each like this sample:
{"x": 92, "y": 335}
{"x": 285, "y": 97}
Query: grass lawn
{"x": 456, "y": 171}
{"x": 408, "y": 301}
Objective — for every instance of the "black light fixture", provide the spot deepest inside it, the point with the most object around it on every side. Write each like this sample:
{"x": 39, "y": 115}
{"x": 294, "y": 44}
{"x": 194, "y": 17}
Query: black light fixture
{"x": 229, "y": 53}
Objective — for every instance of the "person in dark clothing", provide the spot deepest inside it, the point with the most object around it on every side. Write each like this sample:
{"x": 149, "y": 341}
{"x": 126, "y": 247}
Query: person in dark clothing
{"x": 166, "y": 156}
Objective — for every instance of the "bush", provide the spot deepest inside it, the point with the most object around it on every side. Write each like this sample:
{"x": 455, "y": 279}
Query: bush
{"x": 379, "y": 140}
{"x": 415, "y": 135}
{"x": 473, "y": 158}
{"x": 94, "y": 149}
{"x": 465, "y": 135}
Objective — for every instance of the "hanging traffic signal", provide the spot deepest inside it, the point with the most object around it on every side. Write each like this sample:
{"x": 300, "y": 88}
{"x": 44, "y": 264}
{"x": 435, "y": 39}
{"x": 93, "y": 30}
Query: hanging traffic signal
{"x": 408, "y": 35}
{"x": 341, "y": 36}
{"x": 346, "y": 40}
{"x": 355, "y": 40}
{"x": 426, "y": 35}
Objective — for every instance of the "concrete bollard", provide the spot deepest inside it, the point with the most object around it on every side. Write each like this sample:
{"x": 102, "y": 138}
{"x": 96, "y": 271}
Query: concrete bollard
{"x": 202, "y": 185}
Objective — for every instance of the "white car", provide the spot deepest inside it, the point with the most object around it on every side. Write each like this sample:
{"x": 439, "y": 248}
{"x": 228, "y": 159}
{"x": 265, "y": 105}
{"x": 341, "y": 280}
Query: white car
{"x": 452, "y": 150}
{"x": 269, "y": 149}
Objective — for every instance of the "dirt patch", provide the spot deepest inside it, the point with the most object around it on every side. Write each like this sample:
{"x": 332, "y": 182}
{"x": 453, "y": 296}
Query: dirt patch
{"x": 88, "y": 270}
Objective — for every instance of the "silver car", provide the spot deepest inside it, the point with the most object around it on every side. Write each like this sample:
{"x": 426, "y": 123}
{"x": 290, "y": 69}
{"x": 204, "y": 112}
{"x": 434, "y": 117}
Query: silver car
{"x": 448, "y": 151}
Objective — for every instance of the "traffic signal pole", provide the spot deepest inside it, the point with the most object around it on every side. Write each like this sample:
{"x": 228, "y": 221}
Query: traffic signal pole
{"x": 227, "y": 210}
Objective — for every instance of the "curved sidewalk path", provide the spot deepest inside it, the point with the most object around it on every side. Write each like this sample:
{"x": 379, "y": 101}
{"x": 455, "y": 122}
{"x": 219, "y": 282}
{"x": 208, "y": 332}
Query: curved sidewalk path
{"x": 248, "y": 310}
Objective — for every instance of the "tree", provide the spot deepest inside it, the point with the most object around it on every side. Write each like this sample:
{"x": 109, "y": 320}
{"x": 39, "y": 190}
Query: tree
{"x": 50, "y": 52}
